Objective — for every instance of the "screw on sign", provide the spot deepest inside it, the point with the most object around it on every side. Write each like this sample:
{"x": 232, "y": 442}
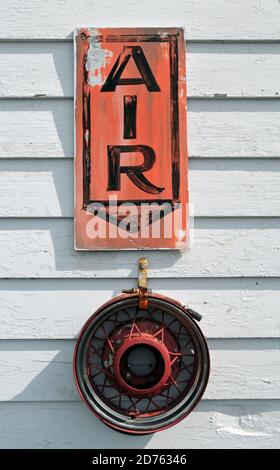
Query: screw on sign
{"x": 141, "y": 367}
{"x": 131, "y": 154}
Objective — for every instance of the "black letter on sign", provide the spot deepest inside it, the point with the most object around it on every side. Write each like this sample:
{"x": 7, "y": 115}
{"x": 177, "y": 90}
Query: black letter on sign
{"x": 135, "y": 173}
{"x": 129, "y": 110}
{"x": 114, "y": 77}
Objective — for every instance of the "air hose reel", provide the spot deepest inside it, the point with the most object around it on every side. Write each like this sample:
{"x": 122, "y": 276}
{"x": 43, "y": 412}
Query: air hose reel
{"x": 141, "y": 362}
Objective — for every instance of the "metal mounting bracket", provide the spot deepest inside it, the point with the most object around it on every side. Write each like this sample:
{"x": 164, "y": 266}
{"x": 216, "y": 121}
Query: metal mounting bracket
{"x": 142, "y": 289}
{"x": 142, "y": 283}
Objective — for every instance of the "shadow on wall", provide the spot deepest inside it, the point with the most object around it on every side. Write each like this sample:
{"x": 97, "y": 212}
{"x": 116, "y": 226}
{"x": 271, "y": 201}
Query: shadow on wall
{"x": 47, "y": 422}
{"x": 67, "y": 424}
{"x": 52, "y": 242}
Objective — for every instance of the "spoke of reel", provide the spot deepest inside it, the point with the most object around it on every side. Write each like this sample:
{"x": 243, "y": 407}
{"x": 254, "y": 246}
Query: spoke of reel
{"x": 97, "y": 338}
{"x": 126, "y": 313}
{"x": 175, "y": 384}
{"x": 186, "y": 366}
{"x": 167, "y": 396}
{"x": 174, "y": 320}
{"x": 110, "y": 344}
{"x": 106, "y": 386}
{"x": 148, "y": 314}
{"x": 113, "y": 319}
{"x": 173, "y": 360}
{"x": 104, "y": 370}
{"x": 113, "y": 398}
{"x": 104, "y": 331}
{"x": 104, "y": 383}
{"x": 96, "y": 351}
{"x": 160, "y": 332}
{"x": 132, "y": 330}
{"x": 183, "y": 381}
{"x": 135, "y": 314}
{"x": 137, "y": 412}
{"x": 186, "y": 345}
{"x": 135, "y": 403}
{"x": 162, "y": 329}
{"x": 151, "y": 401}
{"x": 163, "y": 326}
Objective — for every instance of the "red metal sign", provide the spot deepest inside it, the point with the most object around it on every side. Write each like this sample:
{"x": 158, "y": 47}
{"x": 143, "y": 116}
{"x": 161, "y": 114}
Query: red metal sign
{"x": 131, "y": 153}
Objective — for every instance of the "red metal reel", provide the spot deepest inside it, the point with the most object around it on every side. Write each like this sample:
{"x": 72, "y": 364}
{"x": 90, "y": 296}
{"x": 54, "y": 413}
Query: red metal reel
{"x": 141, "y": 371}
{"x": 144, "y": 336}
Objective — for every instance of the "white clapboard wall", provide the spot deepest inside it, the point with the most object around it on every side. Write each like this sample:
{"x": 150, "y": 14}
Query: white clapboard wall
{"x": 230, "y": 274}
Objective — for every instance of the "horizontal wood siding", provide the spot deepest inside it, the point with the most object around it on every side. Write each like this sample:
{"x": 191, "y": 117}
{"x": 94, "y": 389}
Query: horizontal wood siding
{"x": 221, "y": 247}
{"x": 218, "y": 69}
{"x": 214, "y": 424}
{"x": 214, "y": 19}
{"x": 57, "y": 308}
{"x": 242, "y": 369}
{"x": 218, "y": 188}
{"x": 231, "y": 272}
{"x": 43, "y": 128}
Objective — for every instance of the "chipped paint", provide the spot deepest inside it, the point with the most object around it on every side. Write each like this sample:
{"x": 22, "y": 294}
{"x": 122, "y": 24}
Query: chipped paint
{"x": 97, "y": 60}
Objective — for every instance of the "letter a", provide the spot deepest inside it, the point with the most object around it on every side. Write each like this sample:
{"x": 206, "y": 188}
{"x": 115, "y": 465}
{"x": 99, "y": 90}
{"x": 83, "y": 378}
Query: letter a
{"x": 114, "y": 78}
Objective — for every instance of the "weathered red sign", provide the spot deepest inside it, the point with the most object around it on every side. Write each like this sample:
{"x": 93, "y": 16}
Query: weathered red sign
{"x": 131, "y": 154}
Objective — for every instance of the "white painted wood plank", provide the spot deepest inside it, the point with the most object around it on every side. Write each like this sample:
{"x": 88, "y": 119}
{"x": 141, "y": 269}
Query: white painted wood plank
{"x": 217, "y": 128}
{"x": 36, "y": 128}
{"x": 222, "y": 248}
{"x": 33, "y": 188}
{"x": 246, "y": 70}
{"x": 217, "y": 19}
{"x": 213, "y": 424}
{"x": 235, "y": 187}
{"x": 36, "y": 68}
{"x": 57, "y": 309}
{"x": 233, "y": 128}
{"x": 44, "y": 188}
{"x": 235, "y": 70}
{"x": 42, "y": 370}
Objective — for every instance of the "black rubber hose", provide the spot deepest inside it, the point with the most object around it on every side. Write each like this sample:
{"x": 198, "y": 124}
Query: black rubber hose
{"x": 194, "y": 314}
